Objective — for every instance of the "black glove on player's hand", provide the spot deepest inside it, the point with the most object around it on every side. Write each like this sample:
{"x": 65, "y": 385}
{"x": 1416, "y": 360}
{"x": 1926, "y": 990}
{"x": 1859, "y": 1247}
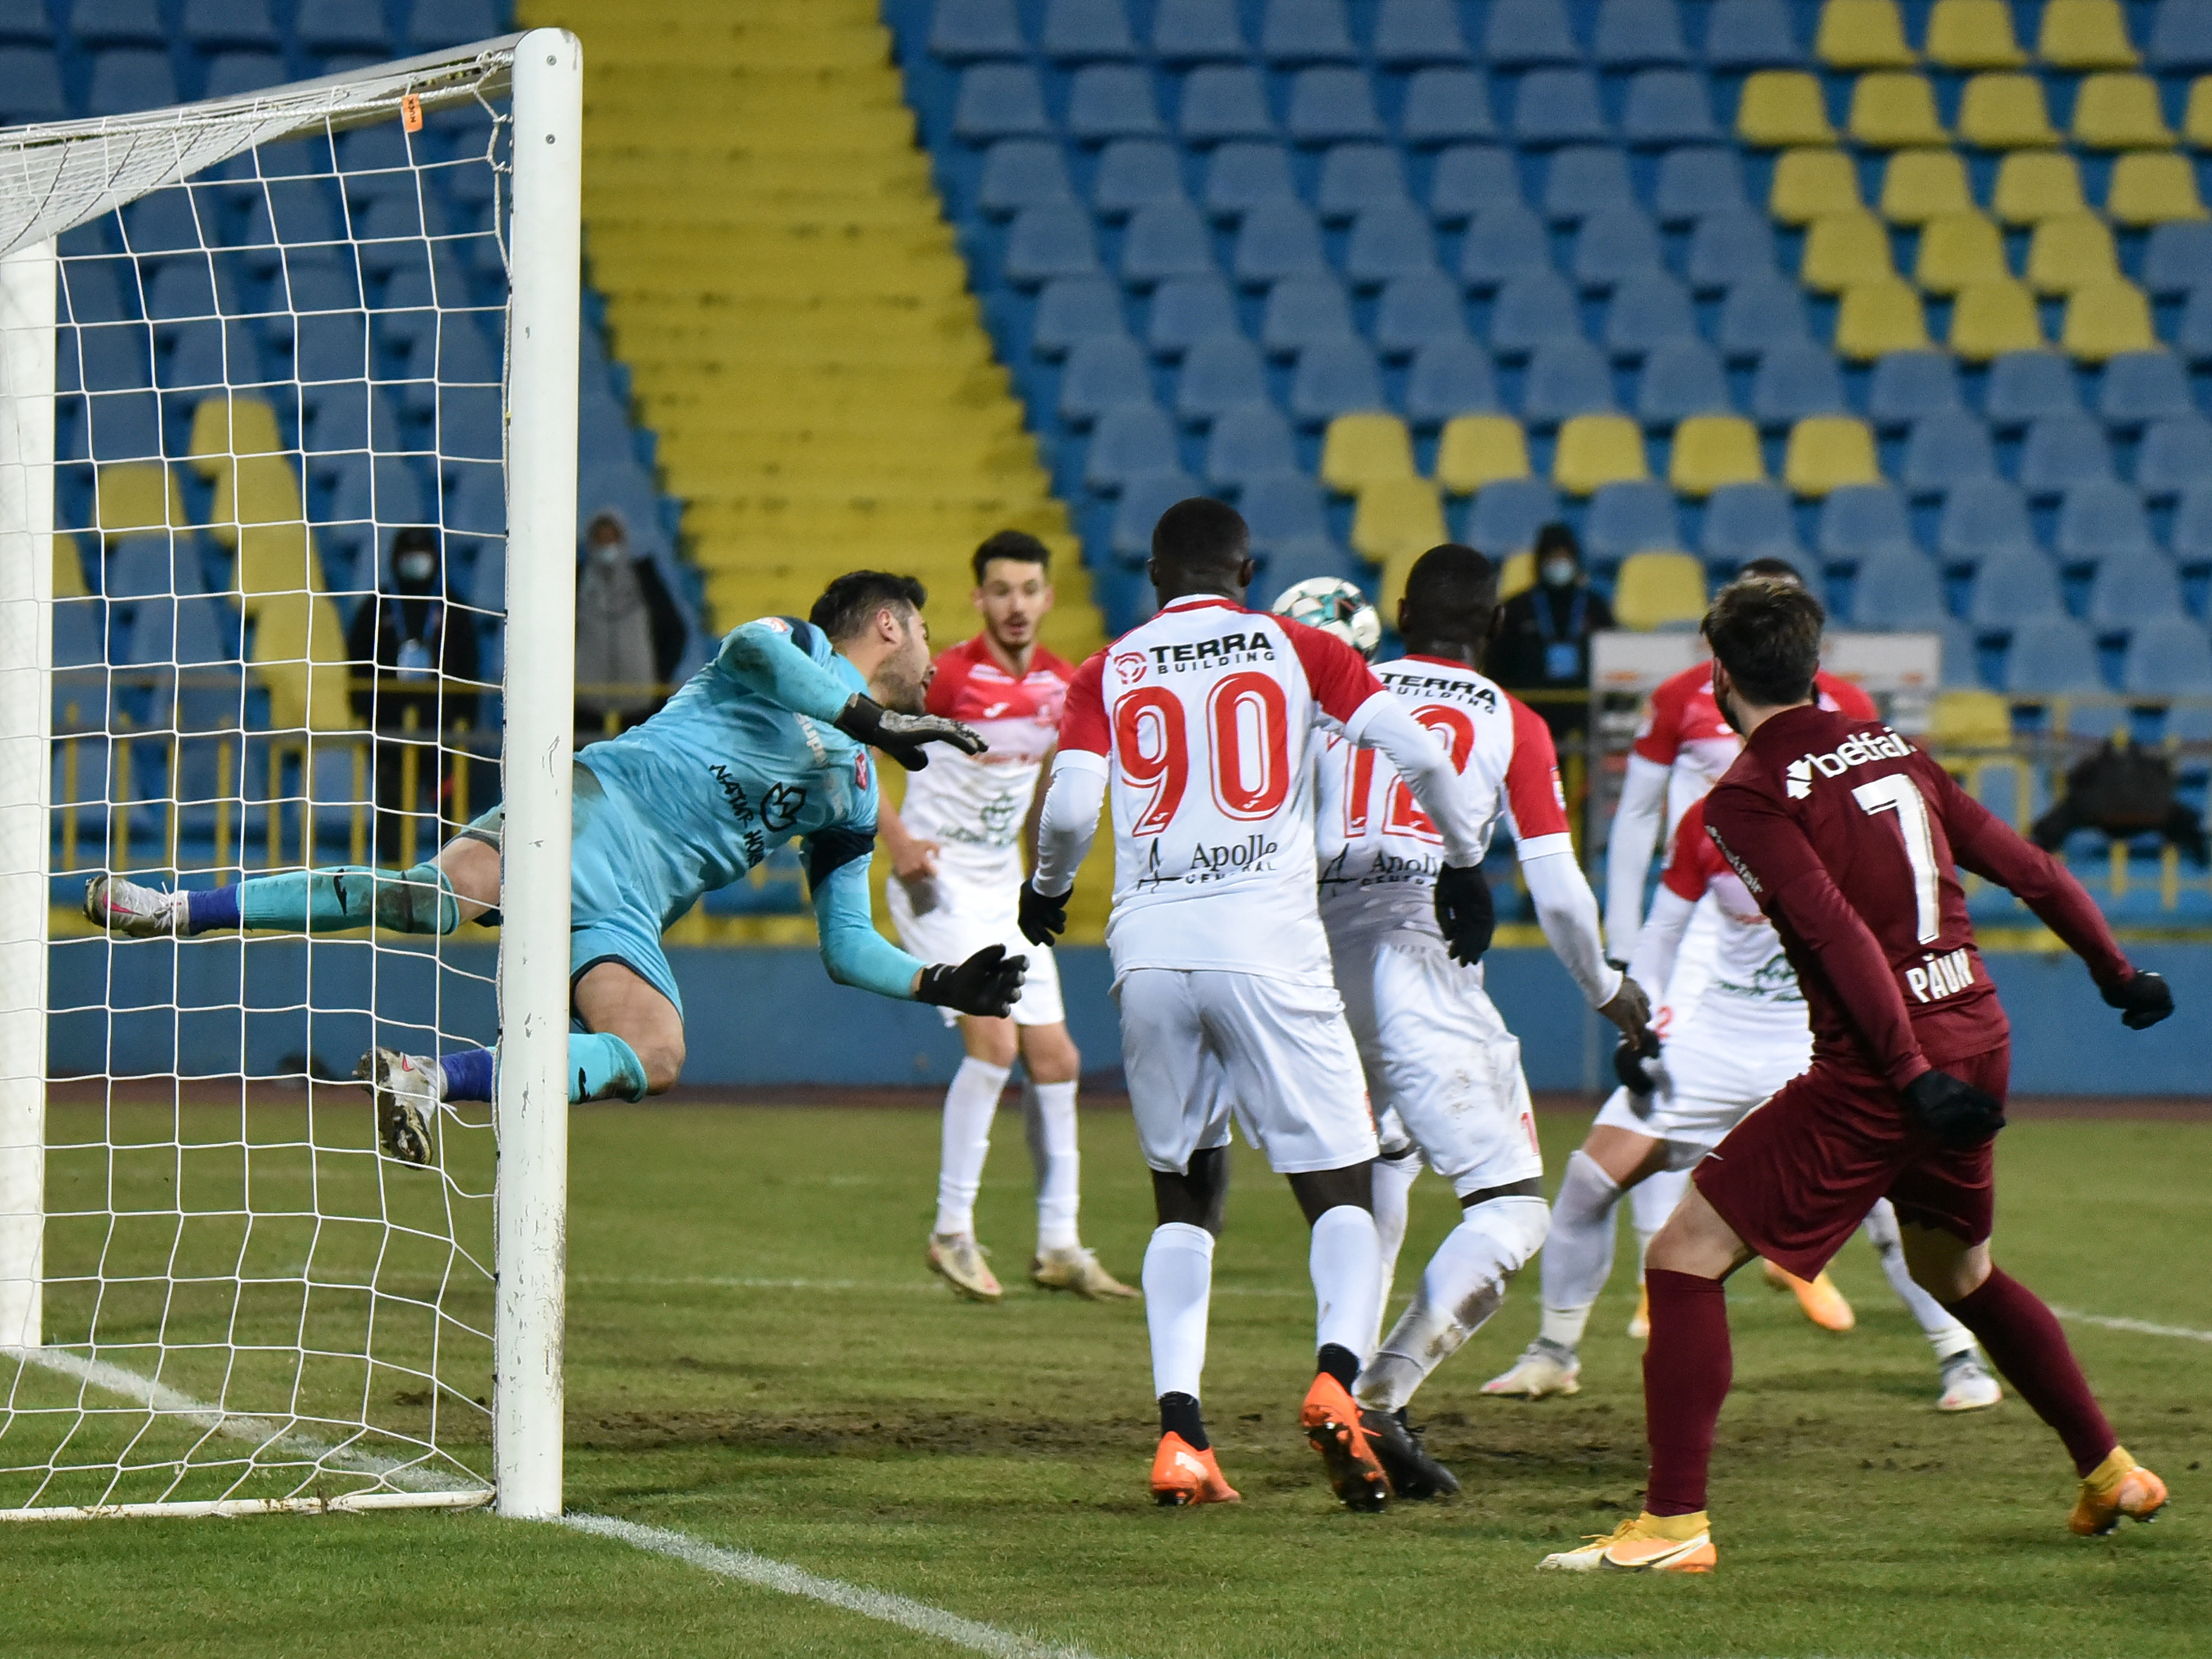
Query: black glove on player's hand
{"x": 988, "y": 984}
{"x": 1465, "y": 912}
{"x": 902, "y": 736}
{"x": 1042, "y": 920}
{"x": 2144, "y": 999}
{"x": 1955, "y": 1113}
{"x": 1628, "y": 1060}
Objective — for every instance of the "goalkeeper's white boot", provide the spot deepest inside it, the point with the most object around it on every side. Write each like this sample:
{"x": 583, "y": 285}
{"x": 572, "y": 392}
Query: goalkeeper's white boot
{"x": 1544, "y": 1368}
{"x": 408, "y": 1089}
{"x": 958, "y": 1258}
{"x": 1967, "y": 1384}
{"x": 1072, "y": 1268}
{"x": 124, "y": 907}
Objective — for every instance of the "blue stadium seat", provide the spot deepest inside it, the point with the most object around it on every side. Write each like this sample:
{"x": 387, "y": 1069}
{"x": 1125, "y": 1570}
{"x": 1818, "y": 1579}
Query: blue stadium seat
{"x": 1195, "y": 31}
{"x": 91, "y": 292}
{"x": 2100, "y": 520}
{"x": 329, "y": 26}
{"x": 211, "y": 25}
{"x": 1282, "y": 507}
{"x": 357, "y": 419}
{"x": 1697, "y": 179}
{"x": 2132, "y": 588}
{"x": 965, "y": 29}
{"x": 1411, "y": 33}
{"x": 1682, "y": 377}
{"x": 1586, "y": 179}
{"x": 1646, "y": 311}
{"x": 1796, "y": 379}
{"x": 1534, "y": 311}
{"x": 1566, "y": 377}
{"x": 1962, "y": 669}
{"x": 1072, "y": 309}
{"x": 1126, "y": 441}
{"x": 1084, "y": 31}
{"x": 1632, "y": 34}
{"x": 2178, "y": 256}
{"x": 1615, "y": 244}
{"x": 1749, "y": 34}
{"x": 1328, "y": 106}
{"x": 2014, "y": 587}
{"x": 212, "y": 356}
{"x": 1291, "y": 562}
{"x": 1185, "y": 311}
{"x": 1445, "y": 106}
{"x": 1333, "y": 378}
{"x": 1745, "y": 520}
{"x": 2029, "y": 385}
{"x": 1279, "y": 239}
{"x": 1000, "y": 100}
{"x": 1898, "y": 589}
{"x": 464, "y": 356}
{"x": 1860, "y": 520}
{"x": 1389, "y": 240}
{"x": 2189, "y": 540}
{"x": 31, "y": 85}
{"x": 2142, "y": 387}
{"x": 1143, "y": 500}
{"x": 118, "y": 24}
{"x": 1908, "y": 386}
{"x": 1304, "y": 311}
{"x": 1761, "y": 314}
{"x": 1218, "y": 374}
{"x": 1021, "y": 172}
{"x": 128, "y": 79}
{"x": 1247, "y": 442}
{"x": 1133, "y": 174}
{"x": 374, "y": 497}
{"x": 2168, "y": 656}
{"x": 2192, "y": 338}
{"x": 1112, "y": 100}
{"x": 1668, "y": 106}
{"x": 1472, "y": 179}
{"x": 2181, "y": 38}
{"x": 26, "y": 21}
{"x": 1305, "y": 32}
{"x": 1982, "y": 519}
{"x": 435, "y": 23}
{"x": 1506, "y": 515}
{"x": 1945, "y": 450}
{"x": 149, "y": 567}
{"x": 1558, "y": 107}
{"x": 1417, "y": 309}
{"x": 1631, "y": 518}
{"x": 183, "y": 288}
{"x": 2051, "y": 656}
{"x": 314, "y": 287}
{"x": 2062, "y": 451}
{"x": 1357, "y": 177}
{"x": 1167, "y": 239}
{"x": 1730, "y": 245}
{"x": 1504, "y": 244}
{"x": 330, "y": 346}
{"x": 1048, "y": 241}
{"x": 1102, "y": 371}
{"x": 2174, "y": 456}
{"x": 1222, "y": 101}
{"x": 290, "y": 213}
{"x": 1240, "y": 176}
{"x": 1521, "y": 32}
{"x": 1449, "y": 378}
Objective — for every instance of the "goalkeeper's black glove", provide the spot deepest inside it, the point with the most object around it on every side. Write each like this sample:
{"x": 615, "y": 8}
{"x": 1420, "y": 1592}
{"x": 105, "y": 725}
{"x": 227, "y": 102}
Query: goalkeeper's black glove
{"x": 1956, "y": 1113}
{"x": 1628, "y": 1064}
{"x": 988, "y": 984}
{"x": 2144, "y": 999}
{"x": 902, "y": 736}
{"x": 1464, "y": 911}
{"x": 1042, "y": 920}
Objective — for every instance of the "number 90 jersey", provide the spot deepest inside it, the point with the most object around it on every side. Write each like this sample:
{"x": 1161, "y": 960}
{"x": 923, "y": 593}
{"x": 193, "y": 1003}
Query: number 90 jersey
{"x": 1205, "y": 719}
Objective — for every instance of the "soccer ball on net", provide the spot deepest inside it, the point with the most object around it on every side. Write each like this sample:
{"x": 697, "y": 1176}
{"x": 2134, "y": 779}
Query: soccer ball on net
{"x": 1334, "y": 606}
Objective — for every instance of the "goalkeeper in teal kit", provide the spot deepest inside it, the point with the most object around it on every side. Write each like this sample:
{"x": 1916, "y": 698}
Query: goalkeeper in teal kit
{"x": 767, "y": 743}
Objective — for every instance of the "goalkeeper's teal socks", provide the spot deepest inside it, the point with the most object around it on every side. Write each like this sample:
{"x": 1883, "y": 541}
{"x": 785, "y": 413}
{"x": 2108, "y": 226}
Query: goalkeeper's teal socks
{"x": 417, "y": 901}
{"x": 601, "y": 1066}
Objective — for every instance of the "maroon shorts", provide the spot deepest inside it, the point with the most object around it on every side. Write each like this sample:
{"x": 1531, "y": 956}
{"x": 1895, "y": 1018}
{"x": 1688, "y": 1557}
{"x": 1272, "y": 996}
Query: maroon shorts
{"x": 1797, "y": 1177}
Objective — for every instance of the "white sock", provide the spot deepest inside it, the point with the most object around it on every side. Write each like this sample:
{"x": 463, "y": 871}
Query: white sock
{"x": 969, "y": 1105}
{"x": 1392, "y": 1184}
{"x": 1048, "y": 1111}
{"x": 1463, "y": 1285}
{"x": 1578, "y": 1255}
{"x": 1650, "y": 1202}
{"x": 1178, "y": 1281}
{"x": 1346, "y": 1261}
{"x": 1945, "y": 1334}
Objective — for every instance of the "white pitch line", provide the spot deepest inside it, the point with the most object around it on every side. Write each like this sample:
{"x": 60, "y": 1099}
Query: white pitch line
{"x": 2139, "y": 1327}
{"x": 787, "y": 1580}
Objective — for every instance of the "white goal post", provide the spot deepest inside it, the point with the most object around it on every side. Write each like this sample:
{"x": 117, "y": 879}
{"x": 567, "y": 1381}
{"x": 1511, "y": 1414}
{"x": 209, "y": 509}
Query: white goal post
{"x": 217, "y": 1295}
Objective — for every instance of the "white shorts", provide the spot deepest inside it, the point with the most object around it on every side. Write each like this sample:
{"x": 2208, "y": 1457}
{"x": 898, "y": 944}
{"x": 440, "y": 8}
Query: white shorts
{"x": 1694, "y": 963}
{"x": 1438, "y": 1057}
{"x": 1724, "y": 1061}
{"x": 1197, "y": 1045}
{"x": 967, "y": 917}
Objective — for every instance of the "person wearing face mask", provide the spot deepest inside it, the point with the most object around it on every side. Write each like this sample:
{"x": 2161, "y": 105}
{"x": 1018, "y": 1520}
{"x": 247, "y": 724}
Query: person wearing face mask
{"x": 1543, "y": 637}
{"x": 415, "y": 671}
{"x": 629, "y": 635}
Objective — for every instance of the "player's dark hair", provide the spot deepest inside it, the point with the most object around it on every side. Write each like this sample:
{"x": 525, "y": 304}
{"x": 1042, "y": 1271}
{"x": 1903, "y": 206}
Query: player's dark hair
{"x": 1767, "y": 635}
{"x": 1202, "y": 536}
{"x": 849, "y": 604}
{"x": 1780, "y": 570}
{"x": 1450, "y": 593}
{"x": 1016, "y": 545}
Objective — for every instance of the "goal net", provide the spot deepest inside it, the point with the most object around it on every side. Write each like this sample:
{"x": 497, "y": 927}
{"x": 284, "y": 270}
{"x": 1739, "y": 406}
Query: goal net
{"x": 287, "y": 388}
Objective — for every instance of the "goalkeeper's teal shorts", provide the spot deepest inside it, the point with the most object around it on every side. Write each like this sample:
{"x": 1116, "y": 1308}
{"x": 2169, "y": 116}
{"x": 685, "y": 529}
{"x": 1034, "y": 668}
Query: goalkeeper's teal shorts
{"x": 616, "y": 904}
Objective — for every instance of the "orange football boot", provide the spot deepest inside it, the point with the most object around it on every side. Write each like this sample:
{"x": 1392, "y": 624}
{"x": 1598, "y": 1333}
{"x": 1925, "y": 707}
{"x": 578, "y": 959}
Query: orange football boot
{"x": 1649, "y": 1543}
{"x": 1183, "y": 1475}
{"x": 1331, "y": 1420}
{"x": 1824, "y": 1304}
{"x": 2117, "y": 1486}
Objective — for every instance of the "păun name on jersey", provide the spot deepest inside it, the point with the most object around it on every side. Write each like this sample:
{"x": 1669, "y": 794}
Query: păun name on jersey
{"x": 1225, "y": 651}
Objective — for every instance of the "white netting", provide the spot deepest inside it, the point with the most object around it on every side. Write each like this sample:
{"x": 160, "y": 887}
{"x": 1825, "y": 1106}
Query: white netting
{"x": 279, "y": 351}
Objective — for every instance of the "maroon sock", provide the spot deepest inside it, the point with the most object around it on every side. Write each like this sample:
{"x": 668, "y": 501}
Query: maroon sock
{"x": 2023, "y": 1340}
{"x": 1687, "y": 1366}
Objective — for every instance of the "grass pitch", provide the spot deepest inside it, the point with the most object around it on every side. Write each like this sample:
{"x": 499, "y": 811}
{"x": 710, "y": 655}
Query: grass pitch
{"x": 757, "y": 1357}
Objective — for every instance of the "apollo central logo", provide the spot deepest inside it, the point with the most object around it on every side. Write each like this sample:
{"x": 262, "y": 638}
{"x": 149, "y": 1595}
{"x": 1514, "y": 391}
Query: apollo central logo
{"x": 1797, "y": 776}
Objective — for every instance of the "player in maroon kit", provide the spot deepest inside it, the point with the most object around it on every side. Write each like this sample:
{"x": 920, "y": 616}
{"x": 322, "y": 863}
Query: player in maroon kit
{"x": 1851, "y": 840}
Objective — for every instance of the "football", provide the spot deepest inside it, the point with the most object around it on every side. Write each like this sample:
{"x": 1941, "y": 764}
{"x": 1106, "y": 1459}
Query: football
{"x": 1335, "y": 606}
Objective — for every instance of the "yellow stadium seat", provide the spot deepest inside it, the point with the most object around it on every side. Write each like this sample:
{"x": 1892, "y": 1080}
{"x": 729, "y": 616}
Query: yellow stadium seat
{"x": 1809, "y": 183}
{"x": 2120, "y": 111}
{"x": 224, "y": 427}
{"x": 1598, "y": 449}
{"x": 1970, "y": 720}
{"x": 1782, "y": 107}
{"x": 2069, "y": 251}
{"x": 300, "y": 652}
{"x": 2085, "y": 34}
{"x": 1827, "y": 452}
{"x": 1990, "y": 319}
{"x": 1891, "y": 110}
{"x": 1394, "y": 515}
{"x": 1917, "y": 185}
{"x": 1973, "y": 34}
{"x": 1359, "y": 450}
{"x": 1957, "y": 250}
{"x": 2005, "y": 111}
{"x": 258, "y": 490}
{"x": 132, "y": 497}
{"x": 1475, "y": 450}
{"x": 1862, "y": 34}
{"x": 2105, "y": 318}
{"x": 1518, "y": 574}
{"x": 1883, "y": 315}
{"x": 2151, "y": 187}
{"x": 2197, "y": 119}
{"x": 1657, "y": 590}
{"x": 2034, "y": 184}
{"x": 1843, "y": 248}
{"x": 68, "y": 568}
{"x": 1712, "y": 450}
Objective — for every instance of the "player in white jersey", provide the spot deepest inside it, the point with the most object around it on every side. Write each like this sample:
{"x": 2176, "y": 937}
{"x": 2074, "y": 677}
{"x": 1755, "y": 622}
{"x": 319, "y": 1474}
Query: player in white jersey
{"x": 1438, "y": 1057}
{"x": 956, "y": 851}
{"x": 1201, "y": 726}
{"x": 1746, "y": 1037}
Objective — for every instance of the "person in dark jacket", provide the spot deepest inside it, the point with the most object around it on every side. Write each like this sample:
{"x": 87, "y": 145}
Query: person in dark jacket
{"x": 1542, "y": 645}
{"x": 629, "y": 634}
{"x": 414, "y": 669}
